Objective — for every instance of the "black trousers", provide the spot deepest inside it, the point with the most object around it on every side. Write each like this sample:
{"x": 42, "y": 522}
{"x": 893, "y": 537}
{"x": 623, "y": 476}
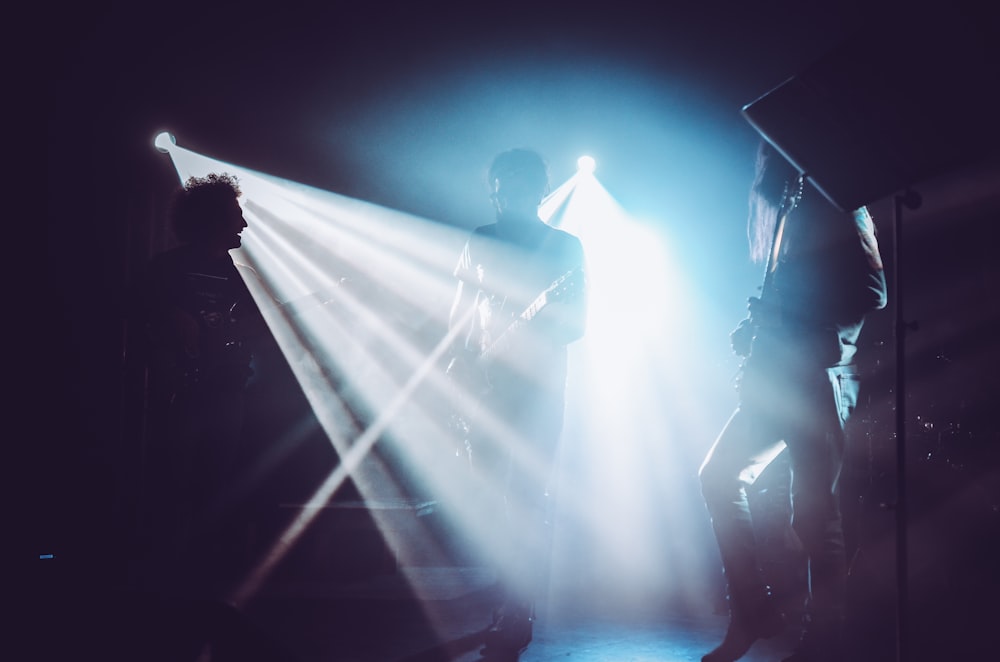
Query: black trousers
{"x": 805, "y": 414}
{"x": 513, "y": 456}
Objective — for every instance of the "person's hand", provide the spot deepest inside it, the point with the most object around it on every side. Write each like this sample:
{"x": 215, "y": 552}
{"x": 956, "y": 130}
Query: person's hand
{"x": 762, "y": 313}
{"x": 741, "y": 338}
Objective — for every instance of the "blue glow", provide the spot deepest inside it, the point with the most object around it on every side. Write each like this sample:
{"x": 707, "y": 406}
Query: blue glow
{"x": 46, "y": 556}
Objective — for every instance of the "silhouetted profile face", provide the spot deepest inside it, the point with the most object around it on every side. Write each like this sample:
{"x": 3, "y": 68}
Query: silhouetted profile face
{"x": 207, "y": 213}
{"x": 231, "y": 224}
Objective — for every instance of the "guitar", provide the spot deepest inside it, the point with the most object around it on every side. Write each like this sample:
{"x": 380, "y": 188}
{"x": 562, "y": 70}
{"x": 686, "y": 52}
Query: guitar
{"x": 745, "y": 333}
{"x": 503, "y": 342}
{"x": 475, "y": 377}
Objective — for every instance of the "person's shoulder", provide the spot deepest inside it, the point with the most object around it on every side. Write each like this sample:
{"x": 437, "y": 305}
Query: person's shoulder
{"x": 563, "y": 239}
{"x": 483, "y": 236}
{"x": 488, "y": 230}
{"x": 562, "y": 234}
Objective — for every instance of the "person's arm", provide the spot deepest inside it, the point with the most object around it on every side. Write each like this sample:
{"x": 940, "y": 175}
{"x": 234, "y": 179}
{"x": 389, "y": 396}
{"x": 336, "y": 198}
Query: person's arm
{"x": 875, "y": 285}
{"x": 836, "y": 275}
{"x": 565, "y": 316}
{"x": 857, "y": 284}
{"x": 462, "y": 320}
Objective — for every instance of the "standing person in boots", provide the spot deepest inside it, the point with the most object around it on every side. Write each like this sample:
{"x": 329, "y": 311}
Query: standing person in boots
{"x": 519, "y": 303}
{"x": 798, "y": 387}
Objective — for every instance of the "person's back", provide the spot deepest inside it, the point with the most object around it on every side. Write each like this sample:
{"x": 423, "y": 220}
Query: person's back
{"x": 824, "y": 283}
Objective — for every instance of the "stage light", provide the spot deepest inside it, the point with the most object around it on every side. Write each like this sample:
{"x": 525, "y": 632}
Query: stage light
{"x": 586, "y": 164}
{"x": 164, "y": 141}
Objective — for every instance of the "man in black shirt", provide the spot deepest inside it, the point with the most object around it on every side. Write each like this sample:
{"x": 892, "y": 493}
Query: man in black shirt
{"x": 520, "y": 301}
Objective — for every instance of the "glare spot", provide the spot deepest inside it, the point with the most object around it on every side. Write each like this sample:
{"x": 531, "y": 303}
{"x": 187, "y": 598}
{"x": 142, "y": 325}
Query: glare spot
{"x": 164, "y": 141}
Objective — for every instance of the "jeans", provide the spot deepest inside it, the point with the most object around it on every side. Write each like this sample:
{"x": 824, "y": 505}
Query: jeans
{"x": 805, "y": 414}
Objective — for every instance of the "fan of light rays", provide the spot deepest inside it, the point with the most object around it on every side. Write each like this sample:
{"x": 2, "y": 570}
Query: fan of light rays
{"x": 349, "y": 291}
{"x": 357, "y": 298}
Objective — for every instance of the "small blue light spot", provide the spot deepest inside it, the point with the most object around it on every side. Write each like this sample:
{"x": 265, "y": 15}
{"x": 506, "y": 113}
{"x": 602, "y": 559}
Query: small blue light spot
{"x": 46, "y": 556}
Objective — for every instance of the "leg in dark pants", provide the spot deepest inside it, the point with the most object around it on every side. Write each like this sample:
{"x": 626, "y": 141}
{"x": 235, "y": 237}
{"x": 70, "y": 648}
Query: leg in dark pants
{"x": 748, "y": 443}
{"x": 816, "y": 454}
{"x": 525, "y": 462}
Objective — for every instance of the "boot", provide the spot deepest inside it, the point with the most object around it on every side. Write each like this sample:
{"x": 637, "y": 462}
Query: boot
{"x": 751, "y": 617}
{"x": 511, "y": 630}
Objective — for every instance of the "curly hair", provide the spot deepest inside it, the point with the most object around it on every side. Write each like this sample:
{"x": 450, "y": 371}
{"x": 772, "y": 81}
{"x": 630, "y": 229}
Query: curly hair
{"x": 198, "y": 206}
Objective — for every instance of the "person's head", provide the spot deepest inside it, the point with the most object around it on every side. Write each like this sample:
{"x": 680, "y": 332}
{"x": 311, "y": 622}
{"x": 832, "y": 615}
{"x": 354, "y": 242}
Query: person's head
{"x": 206, "y": 212}
{"x": 774, "y": 179}
{"x": 518, "y": 179}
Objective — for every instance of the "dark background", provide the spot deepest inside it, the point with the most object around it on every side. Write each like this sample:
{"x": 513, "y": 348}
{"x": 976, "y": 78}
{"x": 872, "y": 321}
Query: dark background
{"x": 403, "y": 104}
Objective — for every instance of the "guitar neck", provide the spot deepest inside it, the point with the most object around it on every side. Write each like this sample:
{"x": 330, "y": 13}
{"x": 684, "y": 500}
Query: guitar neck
{"x": 788, "y": 203}
{"x": 503, "y": 341}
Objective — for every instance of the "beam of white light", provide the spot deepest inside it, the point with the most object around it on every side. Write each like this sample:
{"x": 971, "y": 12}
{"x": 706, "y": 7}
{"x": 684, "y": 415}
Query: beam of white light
{"x": 327, "y": 272}
{"x": 350, "y": 459}
{"x": 630, "y": 413}
{"x": 554, "y": 203}
{"x": 357, "y": 295}
{"x": 298, "y": 245}
{"x": 335, "y": 342}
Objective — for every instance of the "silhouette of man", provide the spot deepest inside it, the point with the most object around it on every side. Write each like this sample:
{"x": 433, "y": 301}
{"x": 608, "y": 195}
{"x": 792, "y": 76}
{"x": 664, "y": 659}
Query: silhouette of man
{"x": 201, "y": 322}
{"x": 797, "y": 391}
{"x": 517, "y": 363}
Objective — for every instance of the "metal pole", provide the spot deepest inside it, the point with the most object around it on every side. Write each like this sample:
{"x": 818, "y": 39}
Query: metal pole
{"x": 910, "y": 200}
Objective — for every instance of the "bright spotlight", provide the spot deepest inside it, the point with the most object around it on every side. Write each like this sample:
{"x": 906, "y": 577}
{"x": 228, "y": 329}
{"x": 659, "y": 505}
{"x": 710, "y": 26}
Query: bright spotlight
{"x": 586, "y": 164}
{"x": 164, "y": 141}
